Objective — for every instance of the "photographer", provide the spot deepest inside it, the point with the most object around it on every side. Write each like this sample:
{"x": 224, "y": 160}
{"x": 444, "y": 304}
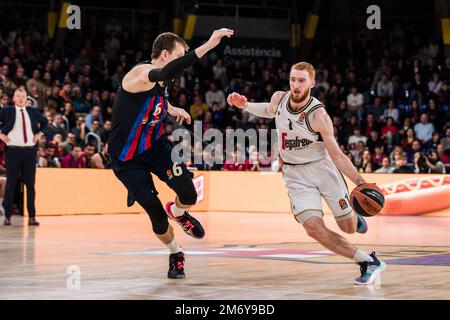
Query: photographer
{"x": 428, "y": 163}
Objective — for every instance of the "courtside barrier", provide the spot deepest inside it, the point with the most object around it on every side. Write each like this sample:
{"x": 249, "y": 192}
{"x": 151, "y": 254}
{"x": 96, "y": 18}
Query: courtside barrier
{"x": 91, "y": 191}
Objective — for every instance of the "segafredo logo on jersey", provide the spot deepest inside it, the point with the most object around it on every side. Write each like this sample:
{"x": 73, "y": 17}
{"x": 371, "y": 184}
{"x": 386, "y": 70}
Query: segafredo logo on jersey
{"x": 296, "y": 143}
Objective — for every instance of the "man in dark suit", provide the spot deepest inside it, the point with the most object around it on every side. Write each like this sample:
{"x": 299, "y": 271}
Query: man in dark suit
{"x": 20, "y": 129}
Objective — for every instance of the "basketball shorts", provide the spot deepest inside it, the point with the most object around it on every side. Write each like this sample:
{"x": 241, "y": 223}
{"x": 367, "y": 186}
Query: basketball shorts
{"x": 135, "y": 173}
{"x": 309, "y": 182}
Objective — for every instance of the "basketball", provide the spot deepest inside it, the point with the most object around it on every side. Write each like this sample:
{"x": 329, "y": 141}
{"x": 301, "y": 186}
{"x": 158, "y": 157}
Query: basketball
{"x": 367, "y": 199}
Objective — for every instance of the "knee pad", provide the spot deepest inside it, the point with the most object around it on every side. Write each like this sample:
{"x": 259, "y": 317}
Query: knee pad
{"x": 186, "y": 192}
{"x": 160, "y": 227}
{"x": 149, "y": 200}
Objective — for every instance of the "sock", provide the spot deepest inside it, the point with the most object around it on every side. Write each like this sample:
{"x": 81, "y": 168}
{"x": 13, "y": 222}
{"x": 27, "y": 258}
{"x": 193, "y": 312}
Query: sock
{"x": 362, "y": 256}
{"x": 177, "y": 212}
{"x": 173, "y": 246}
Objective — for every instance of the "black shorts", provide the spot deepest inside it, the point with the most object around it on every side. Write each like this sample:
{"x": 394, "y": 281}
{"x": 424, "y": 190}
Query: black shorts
{"x": 135, "y": 173}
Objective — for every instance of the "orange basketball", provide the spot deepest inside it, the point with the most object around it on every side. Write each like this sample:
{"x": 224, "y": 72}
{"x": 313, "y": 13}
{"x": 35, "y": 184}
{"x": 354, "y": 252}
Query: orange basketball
{"x": 367, "y": 199}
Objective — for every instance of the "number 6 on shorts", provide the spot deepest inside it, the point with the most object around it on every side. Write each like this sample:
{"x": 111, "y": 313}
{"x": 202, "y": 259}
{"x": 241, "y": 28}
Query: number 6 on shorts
{"x": 177, "y": 170}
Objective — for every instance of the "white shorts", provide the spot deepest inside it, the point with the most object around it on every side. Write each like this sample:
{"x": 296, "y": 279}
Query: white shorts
{"x": 308, "y": 182}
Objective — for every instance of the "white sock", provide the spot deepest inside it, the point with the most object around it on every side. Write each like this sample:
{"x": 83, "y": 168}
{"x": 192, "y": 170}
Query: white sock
{"x": 173, "y": 246}
{"x": 362, "y": 256}
{"x": 177, "y": 212}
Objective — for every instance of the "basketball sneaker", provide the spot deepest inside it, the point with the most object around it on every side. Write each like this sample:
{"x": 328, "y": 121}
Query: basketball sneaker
{"x": 176, "y": 266}
{"x": 362, "y": 224}
{"x": 188, "y": 223}
{"x": 370, "y": 270}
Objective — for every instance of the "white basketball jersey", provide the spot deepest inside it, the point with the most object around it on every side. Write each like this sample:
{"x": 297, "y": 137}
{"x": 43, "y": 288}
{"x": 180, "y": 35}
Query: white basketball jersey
{"x": 297, "y": 142}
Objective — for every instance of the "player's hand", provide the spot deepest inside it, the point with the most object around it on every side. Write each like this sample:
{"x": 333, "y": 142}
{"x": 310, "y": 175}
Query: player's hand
{"x": 217, "y": 35}
{"x": 180, "y": 115}
{"x": 235, "y": 99}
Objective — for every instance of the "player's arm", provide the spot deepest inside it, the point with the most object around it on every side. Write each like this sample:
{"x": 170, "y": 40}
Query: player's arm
{"x": 260, "y": 109}
{"x": 143, "y": 77}
{"x": 322, "y": 123}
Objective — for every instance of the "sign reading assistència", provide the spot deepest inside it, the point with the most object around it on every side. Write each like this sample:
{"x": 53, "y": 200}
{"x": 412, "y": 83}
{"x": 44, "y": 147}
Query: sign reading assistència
{"x": 252, "y": 51}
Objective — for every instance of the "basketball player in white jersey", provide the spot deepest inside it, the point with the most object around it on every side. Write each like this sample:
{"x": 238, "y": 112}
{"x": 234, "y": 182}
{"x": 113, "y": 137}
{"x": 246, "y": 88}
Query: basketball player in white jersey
{"x": 312, "y": 166}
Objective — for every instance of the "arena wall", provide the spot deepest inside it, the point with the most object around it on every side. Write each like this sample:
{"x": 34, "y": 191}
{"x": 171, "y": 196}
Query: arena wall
{"x": 90, "y": 191}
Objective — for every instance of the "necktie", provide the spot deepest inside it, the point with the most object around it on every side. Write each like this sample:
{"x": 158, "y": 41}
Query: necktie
{"x": 24, "y": 126}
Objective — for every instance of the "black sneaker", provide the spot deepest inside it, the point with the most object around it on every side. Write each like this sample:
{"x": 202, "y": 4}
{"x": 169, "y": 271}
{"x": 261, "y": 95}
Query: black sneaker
{"x": 176, "y": 266}
{"x": 188, "y": 223}
{"x": 7, "y": 222}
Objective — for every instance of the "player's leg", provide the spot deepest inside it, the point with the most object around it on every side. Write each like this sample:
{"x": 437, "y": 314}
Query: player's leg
{"x": 316, "y": 229}
{"x": 370, "y": 265}
{"x": 141, "y": 189}
{"x": 306, "y": 204}
{"x": 179, "y": 179}
{"x": 334, "y": 190}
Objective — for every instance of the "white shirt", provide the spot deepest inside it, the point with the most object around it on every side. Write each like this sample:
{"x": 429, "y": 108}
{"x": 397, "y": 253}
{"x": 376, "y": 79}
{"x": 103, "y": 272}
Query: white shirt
{"x": 354, "y": 100}
{"x": 217, "y": 96}
{"x": 16, "y": 134}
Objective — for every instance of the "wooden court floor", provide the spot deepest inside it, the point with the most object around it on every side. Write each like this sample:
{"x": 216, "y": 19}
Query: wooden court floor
{"x": 243, "y": 256}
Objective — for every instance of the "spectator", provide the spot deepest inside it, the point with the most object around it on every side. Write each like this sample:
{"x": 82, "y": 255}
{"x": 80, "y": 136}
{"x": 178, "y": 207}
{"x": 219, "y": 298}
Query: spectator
{"x": 321, "y": 82}
{"x": 355, "y": 102}
{"x": 220, "y": 73}
{"x": 435, "y": 86}
{"x": 371, "y": 125}
{"x": 408, "y": 140}
{"x": 101, "y": 160}
{"x": 69, "y": 143}
{"x": 74, "y": 159}
{"x": 385, "y": 87}
{"x": 385, "y": 166}
{"x": 418, "y": 89}
{"x": 95, "y": 114}
{"x": 80, "y": 130}
{"x": 435, "y": 163}
{"x": 445, "y": 141}
{"x": 105, "y": 131}
{"x": 366, "y": 162}
{"x": 377, "y": 157}
{"x": 389, "y": 132}
{"x": 52, "y": 159}
{"x": 444, "y": 157}
{"x": 35, "y": 81}
{"x": 416, "y": 147}
{"x": 391, "y": 111}
{"x": 424, "y": 129}
{"x": 215, "y": 95}
{"x": 69, "y": 114}
{"x": 87, "y": 154}
{"x": 234, "y": 163}
{"x": 353, "y": 141}
{"x": 4, "y": 101}
{"x": 377, "y": 108}
{"x": 433, "y": 142}
{"x": 401, "y": 165}
{"x": 374, "y": 141}
{"x": 58, "y": 126}
{"x": 198, "y": 108}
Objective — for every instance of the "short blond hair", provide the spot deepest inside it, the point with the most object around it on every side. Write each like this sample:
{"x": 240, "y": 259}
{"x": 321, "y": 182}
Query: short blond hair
{"x": 306, "y": 66}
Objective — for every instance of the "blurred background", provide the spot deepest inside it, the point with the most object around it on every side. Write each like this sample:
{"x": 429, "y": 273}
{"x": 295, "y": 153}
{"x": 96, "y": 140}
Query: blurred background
{"x": 387, "y": 90}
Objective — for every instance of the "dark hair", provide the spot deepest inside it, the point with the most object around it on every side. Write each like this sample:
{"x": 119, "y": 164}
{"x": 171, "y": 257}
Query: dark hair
{"x": 166, "y": 41}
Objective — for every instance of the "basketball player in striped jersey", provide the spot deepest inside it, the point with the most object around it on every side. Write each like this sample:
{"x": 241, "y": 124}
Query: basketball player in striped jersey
{"x": 312, "y": 163}
{"x": 138, "y": 146}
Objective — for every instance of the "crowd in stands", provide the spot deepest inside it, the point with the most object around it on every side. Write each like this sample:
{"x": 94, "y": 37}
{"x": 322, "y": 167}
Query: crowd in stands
{"x": 387, "y": 94}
